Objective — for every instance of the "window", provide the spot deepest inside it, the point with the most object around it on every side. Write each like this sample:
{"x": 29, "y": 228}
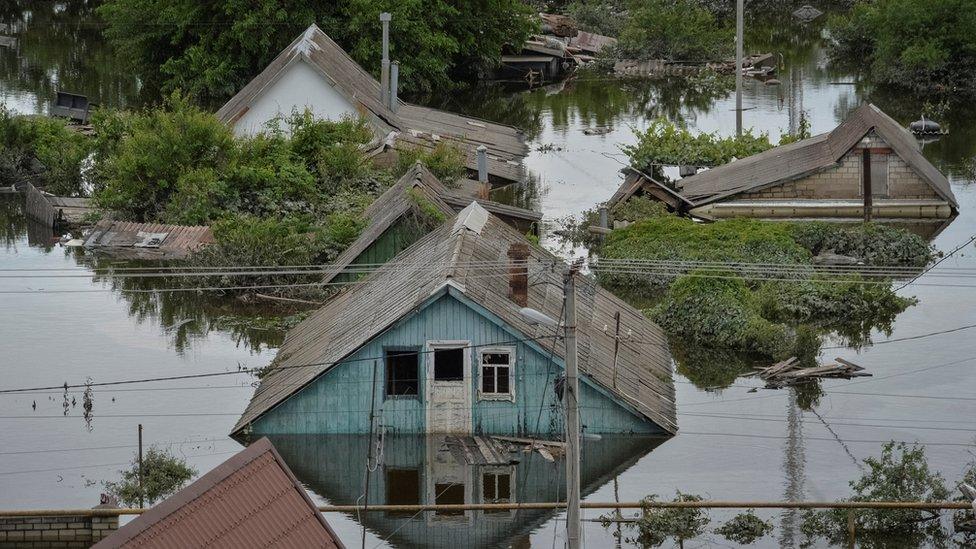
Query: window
{"x": 449, "y": 493}
{"x": 497, "y": 487}
{"x": 402, "y": 372}
{"x": 879, "y": 175}
{"x": 449, "y": 364}
{"x": 402, "y": 488}
{"x": 496, "y": 372}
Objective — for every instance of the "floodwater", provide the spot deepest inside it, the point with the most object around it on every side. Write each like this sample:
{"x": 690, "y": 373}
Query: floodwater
{"x": 734, "y": 444}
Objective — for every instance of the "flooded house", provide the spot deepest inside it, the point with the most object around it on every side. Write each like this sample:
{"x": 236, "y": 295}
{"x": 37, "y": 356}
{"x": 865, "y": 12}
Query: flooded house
{"x": 867, "y": 168}
{"x": 314, "y": 73}
{"x": 251, "y": 500}
{"x": 435, "y": 469}
{"x": 437, "y": 341}
{"x": 406, "y": 211}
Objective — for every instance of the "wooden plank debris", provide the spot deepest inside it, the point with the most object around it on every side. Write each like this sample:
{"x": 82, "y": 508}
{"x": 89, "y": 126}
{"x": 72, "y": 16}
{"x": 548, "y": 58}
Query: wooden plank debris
{"x": 791, "y": 372}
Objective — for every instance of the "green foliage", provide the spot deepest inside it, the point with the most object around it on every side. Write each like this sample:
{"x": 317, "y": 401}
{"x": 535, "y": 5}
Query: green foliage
{"x": 163, "y": 475}
{"x": 770, "y": 317}
{"x": 43, "y": 151}
{"x": 745, "y": 528}
{"x": 638, "y": 208}
{"x": 430, "y": 214}
{"x": 901, "y": 473}
{"x": 922, "y": 46}
{"x": 606, "y": 17}
{"x": 435, "y": 41}
{"x": 657, "y": 525}
{"x": 803, "y": 132}
{"x": 664, "y": 143}
{"x": 445, "y": 161}
{"x": 676, "y": 30}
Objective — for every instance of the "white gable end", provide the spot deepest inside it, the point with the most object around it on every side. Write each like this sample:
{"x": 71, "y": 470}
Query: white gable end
{"x": 299, "y": 87}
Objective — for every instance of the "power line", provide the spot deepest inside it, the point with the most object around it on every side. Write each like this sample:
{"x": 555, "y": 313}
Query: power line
{"x": 936, "y": 264}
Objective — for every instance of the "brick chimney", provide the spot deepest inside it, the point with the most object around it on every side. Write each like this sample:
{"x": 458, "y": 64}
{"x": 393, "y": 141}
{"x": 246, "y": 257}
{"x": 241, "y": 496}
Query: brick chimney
{"x": 518, "y": 274}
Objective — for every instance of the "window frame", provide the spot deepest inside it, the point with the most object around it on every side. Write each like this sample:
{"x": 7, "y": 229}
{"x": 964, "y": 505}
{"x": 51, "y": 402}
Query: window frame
{"x": 386, "y": 371}
{"x": 497, "y": 471}
{"x": 510, "y": 395}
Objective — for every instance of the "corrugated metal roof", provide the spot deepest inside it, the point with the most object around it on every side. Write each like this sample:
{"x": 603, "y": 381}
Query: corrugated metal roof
{"x": 396, "y": 202}
{"x": 152, "y": 240}
{"x": 415, "y": 126}
{"x": 808, "y": 156}
{"x": 250, "y": 500}
{"x": 361, "y": 312}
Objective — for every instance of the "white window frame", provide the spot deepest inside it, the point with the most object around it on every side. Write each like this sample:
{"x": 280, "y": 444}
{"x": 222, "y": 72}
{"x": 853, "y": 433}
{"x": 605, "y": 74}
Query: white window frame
{"x": 510, "y": 395}
{"x": 496, "y": 471}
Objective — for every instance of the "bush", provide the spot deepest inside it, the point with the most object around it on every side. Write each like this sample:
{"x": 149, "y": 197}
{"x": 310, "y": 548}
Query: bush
{"x": 664, "y": 143}
{"x": 606, "y": 17}
{"x": 43, "y": 151}
{"x": 745, "y": 528}
{"x": 675, "y": 30}
{"x": 656, "y": 525}
{"x": 922, "y": 46}
{"x": 163, "y": 475}
{"x": 446, "y": 162}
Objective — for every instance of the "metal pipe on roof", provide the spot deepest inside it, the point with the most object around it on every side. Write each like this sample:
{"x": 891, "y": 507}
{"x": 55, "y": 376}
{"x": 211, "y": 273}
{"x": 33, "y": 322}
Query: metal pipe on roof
{"x": 385, "y": 18}
{"x": 394, "y": 85}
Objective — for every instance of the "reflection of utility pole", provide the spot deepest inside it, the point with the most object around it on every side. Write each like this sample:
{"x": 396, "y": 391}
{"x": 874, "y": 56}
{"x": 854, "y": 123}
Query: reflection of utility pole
{"x": 793, "y": 463}
{"x": 739, "y": 24}
{"x": 572, "y": 416}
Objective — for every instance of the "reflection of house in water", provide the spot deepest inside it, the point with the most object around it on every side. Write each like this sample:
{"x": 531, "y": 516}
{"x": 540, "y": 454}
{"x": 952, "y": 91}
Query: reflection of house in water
{"x": 434, "y": 470}
{"x": 436, "y": 338}
{"x": 822, "y": 177}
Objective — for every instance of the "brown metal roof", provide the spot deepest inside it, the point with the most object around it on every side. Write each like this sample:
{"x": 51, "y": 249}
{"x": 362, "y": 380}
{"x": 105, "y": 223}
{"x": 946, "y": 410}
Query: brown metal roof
{"x": 149, "y": 240}
{"x": 393, "y": 204}
{"x": 415, "y": 126}
{"x": 788, "y": 162}
{"x": 250, "y": 500}
{"x": 444, "y": 256}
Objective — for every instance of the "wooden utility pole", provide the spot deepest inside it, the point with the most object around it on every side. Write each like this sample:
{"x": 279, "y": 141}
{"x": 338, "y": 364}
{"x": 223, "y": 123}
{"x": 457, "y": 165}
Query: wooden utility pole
{"x": 739, "y": 24}
{"x": 142, "y": 491}
{"x": 570, "y": 398}
{"x": 369, "y": 449}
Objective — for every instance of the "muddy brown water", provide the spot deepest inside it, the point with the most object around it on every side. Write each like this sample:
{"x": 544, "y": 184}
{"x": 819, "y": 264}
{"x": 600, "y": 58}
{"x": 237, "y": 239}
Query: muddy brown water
{"x": 733, "y": 444}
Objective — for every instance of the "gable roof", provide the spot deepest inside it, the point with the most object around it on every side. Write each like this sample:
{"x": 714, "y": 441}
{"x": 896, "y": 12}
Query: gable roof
{"x": 468, "y": 255}
{"x": 393, "y": 204}
{"x": 415, "y": 126}
{"x": 788, "y": 162}
{"x": 250, "y": 500}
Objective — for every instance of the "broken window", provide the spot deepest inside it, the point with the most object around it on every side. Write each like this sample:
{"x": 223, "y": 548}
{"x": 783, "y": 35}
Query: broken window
{"x": 402, "y": 488}
{"x": 496, "y": 372}
{"x": 496, "y": 487}
{"x": 402, "y": 372}
{"x": 449, "y": 364}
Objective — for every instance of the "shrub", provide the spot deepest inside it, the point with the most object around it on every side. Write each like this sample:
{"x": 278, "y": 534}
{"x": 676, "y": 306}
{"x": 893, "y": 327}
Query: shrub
{"x": 676, "y": 30}
{"x": 163, "y": 475}
{"x": 657, "y": 525}
{"x": 445, "y": 161}
{"x": 745, "y": 528}
{"x": 664, "y": 143}
{"x": 43, "y": 151}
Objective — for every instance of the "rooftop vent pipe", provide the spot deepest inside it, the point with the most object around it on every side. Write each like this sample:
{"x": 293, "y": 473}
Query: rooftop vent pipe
{"x": 385, "y": 67}
{"x": 394, "y": 84}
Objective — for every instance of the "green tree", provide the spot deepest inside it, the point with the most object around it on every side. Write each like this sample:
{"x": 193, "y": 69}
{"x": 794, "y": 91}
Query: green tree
{"x": 924, "y": 46}
{"x": 211, "y": 49}
{"x": 677, "y": 30}
{"x": 163, "y": 474}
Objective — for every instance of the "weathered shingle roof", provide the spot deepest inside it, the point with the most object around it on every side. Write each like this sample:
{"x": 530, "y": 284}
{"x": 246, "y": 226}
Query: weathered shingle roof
{"x": 787, "y": 162}
{"x": 393, "y": 204}
{"x": 148, "y": 240}
{"x": 250, "y": 500}
{"x": 415, "y": 126}
{"x": 470, "y": 252}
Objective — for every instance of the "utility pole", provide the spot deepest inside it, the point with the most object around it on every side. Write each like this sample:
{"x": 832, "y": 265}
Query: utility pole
{"x": 571, "y": 401}
{"x": 142, "y": 492}
{"x": 739, "y": 24}
{"x": 385, "y": 67}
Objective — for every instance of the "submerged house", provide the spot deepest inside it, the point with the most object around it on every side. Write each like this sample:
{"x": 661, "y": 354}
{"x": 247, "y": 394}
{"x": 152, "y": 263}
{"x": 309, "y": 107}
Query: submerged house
{"x": 250, "y": 500}
{"x": 868, "y": 167}
{"x": 402, "y": 215}
{"x": 435, "y": 342}
{"x": 314, "y": 73}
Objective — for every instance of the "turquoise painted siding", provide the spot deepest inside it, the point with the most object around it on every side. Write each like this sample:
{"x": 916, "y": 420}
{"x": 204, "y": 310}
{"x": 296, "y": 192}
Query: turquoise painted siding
{"x": 339, "y": 401}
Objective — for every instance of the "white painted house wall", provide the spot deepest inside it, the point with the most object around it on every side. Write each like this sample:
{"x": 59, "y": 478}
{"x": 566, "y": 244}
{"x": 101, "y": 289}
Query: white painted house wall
{"x": 299, "y": 87}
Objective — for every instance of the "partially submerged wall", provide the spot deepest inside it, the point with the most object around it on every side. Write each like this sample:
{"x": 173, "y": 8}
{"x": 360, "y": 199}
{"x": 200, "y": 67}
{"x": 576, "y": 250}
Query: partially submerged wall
{"x": 35, "y": 532}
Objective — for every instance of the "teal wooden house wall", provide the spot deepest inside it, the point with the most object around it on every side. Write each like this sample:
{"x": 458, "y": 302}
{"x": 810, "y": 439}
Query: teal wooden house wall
{"x": 339, "y": 400}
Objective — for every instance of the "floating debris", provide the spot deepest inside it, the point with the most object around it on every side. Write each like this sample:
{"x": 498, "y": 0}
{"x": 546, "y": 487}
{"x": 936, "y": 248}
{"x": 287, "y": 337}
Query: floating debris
{"x": 807, "y": 14}
{"x": 789, "y": 372}
{"x": 597, "y": 131}
{"x": 925, "y": 126}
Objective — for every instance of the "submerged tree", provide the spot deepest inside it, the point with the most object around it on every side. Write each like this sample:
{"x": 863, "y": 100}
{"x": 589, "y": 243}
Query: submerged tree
{"x": 162, "y": 475}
